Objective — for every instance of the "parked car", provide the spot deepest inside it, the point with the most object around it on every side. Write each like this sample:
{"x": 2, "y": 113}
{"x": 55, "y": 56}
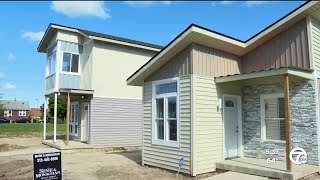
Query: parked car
{"x": 4, "y": 121}
{"x": 23, "y": 120}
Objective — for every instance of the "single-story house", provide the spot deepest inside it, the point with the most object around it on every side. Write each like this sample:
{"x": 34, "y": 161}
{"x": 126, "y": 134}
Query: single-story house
{"x": 208, "y": 97}
{"x": 14, "y": 109}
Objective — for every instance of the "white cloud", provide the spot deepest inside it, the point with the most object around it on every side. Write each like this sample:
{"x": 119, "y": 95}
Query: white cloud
{"x": 81, "y": 8}
{"x": 11, "y": 56}
{"x": 34, "y": 36}
{"x": 146, "y": 3}
{"x": 226, "y": 2}
{"x": 254, "y": 3}
{"x": 8, "y": 86}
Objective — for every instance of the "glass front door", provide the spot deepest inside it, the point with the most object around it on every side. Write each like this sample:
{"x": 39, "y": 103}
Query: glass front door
{"x": 74, "y": 121}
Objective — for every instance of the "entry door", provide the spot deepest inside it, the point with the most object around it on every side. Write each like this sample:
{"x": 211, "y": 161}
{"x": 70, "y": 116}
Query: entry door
{"x": 85, "y": 121}
{"x": 231, "y": 129}
{"x": 74, "y": 119}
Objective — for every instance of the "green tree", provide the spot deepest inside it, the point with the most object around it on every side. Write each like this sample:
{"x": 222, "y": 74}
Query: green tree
{"x": 61, "y": 108}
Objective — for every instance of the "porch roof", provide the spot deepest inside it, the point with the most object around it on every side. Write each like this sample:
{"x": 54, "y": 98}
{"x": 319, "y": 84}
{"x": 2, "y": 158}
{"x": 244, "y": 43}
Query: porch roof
{"x": 303, "y": 73}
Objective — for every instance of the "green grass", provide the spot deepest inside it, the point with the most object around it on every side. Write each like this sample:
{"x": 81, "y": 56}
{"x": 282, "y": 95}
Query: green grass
{"x": 30, "y": 128}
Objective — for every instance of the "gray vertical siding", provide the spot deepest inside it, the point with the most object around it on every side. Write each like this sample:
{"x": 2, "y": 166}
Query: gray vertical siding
{"x": 68, "y": 81}
{"x": 179, "y": 65}
{"x": 289, "y": 48}
{"x": 213, "y": 62}
{"x": 116, "y": 122}
{"x": 71, "y": 47}
{"x": 50, "y": 81}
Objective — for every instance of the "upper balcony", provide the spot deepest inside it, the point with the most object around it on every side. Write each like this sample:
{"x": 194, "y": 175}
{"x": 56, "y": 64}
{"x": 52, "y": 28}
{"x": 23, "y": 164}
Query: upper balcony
{"x": 64, "y": 68}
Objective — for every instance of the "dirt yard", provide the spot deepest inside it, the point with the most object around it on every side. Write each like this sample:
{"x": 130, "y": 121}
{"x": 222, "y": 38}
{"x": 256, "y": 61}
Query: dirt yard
{"x": 85, "y": 165}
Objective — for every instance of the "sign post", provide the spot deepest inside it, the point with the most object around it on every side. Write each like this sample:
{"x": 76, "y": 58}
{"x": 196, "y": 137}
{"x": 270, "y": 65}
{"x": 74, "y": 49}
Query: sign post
{"x": 47, "y": 166}
{"x": 181, "y": 161}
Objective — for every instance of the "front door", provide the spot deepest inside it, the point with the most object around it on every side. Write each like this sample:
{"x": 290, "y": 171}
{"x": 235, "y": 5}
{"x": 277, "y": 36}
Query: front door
{"x": 74, "y": 119}
{"x": 84, "y": 122}
{"x": 231, "y": 129}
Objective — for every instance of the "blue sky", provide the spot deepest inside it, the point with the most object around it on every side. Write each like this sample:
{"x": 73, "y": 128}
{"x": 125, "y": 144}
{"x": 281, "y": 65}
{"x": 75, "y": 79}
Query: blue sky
{"x": 23, "y": 23}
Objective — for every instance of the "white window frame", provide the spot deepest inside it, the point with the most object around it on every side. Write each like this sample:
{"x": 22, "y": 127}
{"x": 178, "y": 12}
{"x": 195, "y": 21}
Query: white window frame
{"x": 263, "y": 122}
{"x": 7, "y": 113}
{"x": 22, "y": 113}
{"x": 79, "y": 66}
{"x": 166, "y": 141}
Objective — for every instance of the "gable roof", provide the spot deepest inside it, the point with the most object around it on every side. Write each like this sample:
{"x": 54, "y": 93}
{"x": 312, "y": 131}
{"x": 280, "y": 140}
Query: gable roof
{"x": 201, "y": 35}
{"x": 52, "y": 28}
{"x": 15, "y": 105}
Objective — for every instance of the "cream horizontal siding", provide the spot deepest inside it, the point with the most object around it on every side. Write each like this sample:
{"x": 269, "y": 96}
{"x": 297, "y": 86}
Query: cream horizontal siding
{"x": 164, "y": 156}
{"x": 208, "y": 125}
{"x": 315, "y": 40}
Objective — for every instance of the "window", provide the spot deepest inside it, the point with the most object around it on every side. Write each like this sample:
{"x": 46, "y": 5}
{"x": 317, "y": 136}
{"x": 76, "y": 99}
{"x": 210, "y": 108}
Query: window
{"x": 51, "y": 66}
{"x": 272, "y": 117}
{"x": 229, "y": 103}
{"x": 22, "y": 113}
{"x": 70, "y": 63}
{"x": 7, "y": 113}
{"x": 165, "y": 112}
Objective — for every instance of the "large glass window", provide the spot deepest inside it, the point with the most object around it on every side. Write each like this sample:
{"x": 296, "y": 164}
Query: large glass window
{"x": 70, "y": 62}
{"x": 51, "y": 66}
{"x": 166, "y": 109}
{"x": 273, "y": 117}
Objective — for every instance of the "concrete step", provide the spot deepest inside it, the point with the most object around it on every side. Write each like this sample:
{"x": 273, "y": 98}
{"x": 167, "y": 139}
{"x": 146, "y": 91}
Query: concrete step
{"x": 266, "y": 172}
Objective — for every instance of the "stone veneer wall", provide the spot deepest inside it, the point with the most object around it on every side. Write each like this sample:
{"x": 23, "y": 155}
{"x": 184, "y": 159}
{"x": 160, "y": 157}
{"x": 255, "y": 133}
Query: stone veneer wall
{"x": 303, "y": 117}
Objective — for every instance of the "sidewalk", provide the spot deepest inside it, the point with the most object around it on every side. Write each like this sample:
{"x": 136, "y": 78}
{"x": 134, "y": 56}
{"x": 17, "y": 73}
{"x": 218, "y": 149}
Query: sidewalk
{"x": 235, "y": 175}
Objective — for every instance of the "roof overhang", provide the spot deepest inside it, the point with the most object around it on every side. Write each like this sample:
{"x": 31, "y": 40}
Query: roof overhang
{"x": 53, "y": 28}
{"x": 212, "y": 39}
{"x": 302, "y": 73}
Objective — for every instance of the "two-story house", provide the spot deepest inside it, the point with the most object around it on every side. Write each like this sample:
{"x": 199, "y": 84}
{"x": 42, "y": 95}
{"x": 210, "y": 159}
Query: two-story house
{"x": 218, "y": 102}
{"x": 90, "y": 70}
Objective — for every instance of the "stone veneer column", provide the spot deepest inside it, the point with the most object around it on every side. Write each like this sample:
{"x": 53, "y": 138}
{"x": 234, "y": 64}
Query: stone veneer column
{"x": 303, "y": 120}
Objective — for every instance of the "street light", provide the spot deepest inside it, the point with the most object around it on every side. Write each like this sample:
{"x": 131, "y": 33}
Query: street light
{"x": 37, "y": 102}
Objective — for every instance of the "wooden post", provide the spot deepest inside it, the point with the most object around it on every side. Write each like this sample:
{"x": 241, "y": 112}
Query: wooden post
{"x": 287, "y": 121}
{"x": 68, "y": 119}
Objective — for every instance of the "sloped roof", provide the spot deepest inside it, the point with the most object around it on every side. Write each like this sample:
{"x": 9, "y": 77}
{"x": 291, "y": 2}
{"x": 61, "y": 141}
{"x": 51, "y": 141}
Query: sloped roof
{"x": 201, "y": 35}
{"x": 15, "y": 105}
{"x": 53, "y": 27}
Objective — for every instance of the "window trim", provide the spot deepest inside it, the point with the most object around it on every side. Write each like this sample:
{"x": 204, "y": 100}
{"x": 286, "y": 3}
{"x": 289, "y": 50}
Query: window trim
{"x": 262, "y": 113}
{"x": 5, "y": 113}
{"x": 22, "y": 113}
{"x": 166, "y": 141}
{"x": 79, "y": 64}
{"x": 48, "y": 64}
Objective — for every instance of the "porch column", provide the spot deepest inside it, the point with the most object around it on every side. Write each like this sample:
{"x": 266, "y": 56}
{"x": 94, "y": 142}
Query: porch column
{"x": 45, "y": 118}
{"x": 55, "y": 118}
{"x": 68, "y": 119}
{"x": 287, "y": 121}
